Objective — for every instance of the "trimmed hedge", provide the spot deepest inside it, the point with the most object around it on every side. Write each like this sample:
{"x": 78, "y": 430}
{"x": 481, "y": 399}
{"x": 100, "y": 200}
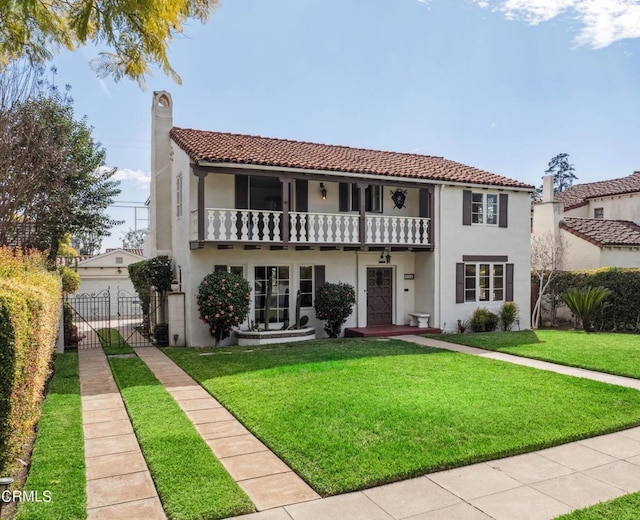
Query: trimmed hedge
{"x": 29, "y": 314}
{"x": 621, "y": 311}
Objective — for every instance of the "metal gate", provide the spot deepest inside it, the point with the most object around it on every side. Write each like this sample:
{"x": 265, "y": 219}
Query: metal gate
{"x": 131, "y": 322}
{"x": 84, "y": 315}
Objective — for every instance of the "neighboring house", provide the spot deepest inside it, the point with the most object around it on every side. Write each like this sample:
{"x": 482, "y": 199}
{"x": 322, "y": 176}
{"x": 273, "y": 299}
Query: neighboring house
{"x": 598, "y": 221}
{"x": 411, "y": 233}
{"x": 108, "y": 271}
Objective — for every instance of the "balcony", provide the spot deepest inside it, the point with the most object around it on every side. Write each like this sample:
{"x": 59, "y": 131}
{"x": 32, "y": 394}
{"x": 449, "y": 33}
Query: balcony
{"x": 268, "y": 227}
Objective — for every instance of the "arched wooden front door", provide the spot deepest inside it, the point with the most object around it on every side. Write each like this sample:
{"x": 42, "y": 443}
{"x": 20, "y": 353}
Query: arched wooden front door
{"x": 379, "y": 295}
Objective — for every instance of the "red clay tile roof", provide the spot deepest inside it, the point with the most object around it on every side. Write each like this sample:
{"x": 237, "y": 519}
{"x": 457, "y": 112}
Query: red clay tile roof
{"x": 134, "y": 251}
{"x": 220, "y": 147}
{"x": 579, "y": 194}
{"x": 603, "y": 232}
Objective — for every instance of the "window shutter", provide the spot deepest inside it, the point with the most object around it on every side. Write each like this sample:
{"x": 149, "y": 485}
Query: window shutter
{"x": 460, "y": 283}
{"x": 302, "y": 195}
{"x": 343, "y": 196}
{"x": 242, "y": 192}
{"x": 504, "y": 210}
{"x": 318, "y": 278}
{"x": 466, "y": 208}
{"x": 355, "y": 197}
{"x": 509, "y": 283}
{"x": 424, "y": 203}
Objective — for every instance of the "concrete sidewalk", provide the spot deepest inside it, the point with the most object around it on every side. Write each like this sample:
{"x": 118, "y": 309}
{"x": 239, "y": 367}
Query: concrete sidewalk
{"x": 119, "y": 484}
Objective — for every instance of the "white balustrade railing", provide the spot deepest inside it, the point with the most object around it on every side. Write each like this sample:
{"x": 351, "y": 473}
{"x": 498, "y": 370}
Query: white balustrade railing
{"x": 324, "y": 228}
{"x": 246, "y": 225}
{"x": 381, "y": 229}
{"x": 242, "y": 225}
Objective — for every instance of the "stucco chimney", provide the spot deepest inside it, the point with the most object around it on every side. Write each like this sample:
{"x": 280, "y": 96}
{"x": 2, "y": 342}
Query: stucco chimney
{"x": 160, "y": 203}
{"x": 547, "y": 188}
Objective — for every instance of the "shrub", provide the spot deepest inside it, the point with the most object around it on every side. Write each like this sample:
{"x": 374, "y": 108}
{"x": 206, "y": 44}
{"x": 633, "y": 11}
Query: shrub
{"x": 223, "y": 301}
{"x": 159, "y": 272}
{"x": 483, "y": 320}
{"x": 622, "y": 312}
{"x": 142, "y": 285}
{"x": 585, "y": 303}
{"x": 509, "y": 314}
{"x": 29, "y": 313}
{"x": 71, "y": 336}
{"x": 70, "y": 279}
{"x": 161, "y": 334}
{"x": 334, "y": 304}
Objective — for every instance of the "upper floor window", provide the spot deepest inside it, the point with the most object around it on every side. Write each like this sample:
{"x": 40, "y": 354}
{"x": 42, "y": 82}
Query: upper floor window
{"x": 483, "y": 208}
{"x": 119, "y": 260}
{"x": 598, "y": 213}
{"x": 179, "y": 195}
{"x": 350, "y": 198}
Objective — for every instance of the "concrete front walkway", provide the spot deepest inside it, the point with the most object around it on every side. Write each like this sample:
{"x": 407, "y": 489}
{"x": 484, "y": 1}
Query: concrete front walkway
{"x": 119, "y": 484}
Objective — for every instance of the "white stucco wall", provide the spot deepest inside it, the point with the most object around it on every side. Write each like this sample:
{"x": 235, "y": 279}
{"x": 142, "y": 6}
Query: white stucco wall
{"x": 579, "y": 253}
{"x": 618, "y": 207}
{"x": 620, "y": 257}
{"x": 456, "y": 240}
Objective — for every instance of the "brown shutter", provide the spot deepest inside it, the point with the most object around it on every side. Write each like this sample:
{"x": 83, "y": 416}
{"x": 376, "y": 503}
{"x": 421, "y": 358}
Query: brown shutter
{"x": 509, "y": 283}
{"x": 318, "y": 277}
{"x": 343, "y": 196}
{"x": 466, "y": 208}
{"x": 424, "y": 203}
{"x": 460, "y": 283}
{"x": 503, "y": 210}
{"x": 242, "y": 191}
{"x": 302, "y": 195}
{"x": 355, "y": 197}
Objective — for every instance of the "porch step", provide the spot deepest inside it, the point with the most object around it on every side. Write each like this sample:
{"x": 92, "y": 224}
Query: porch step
{"x": 383, "y": 331}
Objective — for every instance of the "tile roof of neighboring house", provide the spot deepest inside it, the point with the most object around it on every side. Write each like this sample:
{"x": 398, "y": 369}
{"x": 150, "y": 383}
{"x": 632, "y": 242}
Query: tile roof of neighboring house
{"x": 579, "y": 194}
{"x": 603, "y": 232}
{"x": 218, "y": 147}
{"x": 135, "y": 251}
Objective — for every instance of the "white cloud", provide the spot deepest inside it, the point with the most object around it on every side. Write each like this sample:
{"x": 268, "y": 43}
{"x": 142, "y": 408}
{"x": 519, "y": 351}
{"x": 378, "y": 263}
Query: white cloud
{"x": 127, "y": 174}
{"x": 603, "y": 21}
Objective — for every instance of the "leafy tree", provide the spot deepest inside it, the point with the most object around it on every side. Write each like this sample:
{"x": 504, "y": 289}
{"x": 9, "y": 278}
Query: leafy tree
{"x": 134, "y": 238}
{"x": 66, "y": 249}
{"x": 137, "y": 33}
{"x": 87, "y": 243}
{"x": 562, "y": 171}
{"x": 52, "y": 179}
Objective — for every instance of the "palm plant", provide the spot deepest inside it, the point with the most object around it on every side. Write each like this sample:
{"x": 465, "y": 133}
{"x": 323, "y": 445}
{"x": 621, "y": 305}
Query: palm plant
{"x": 585, "y": 303}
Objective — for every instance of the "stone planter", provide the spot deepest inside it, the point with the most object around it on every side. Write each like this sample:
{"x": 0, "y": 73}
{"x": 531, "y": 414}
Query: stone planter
{"x": 248, "y": 338}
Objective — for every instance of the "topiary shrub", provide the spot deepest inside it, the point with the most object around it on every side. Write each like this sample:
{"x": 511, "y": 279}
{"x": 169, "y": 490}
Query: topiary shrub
{"x": 483, "y": 320}
{"x": 223, "y": 301}
{"x": 161, "y": 334}
{"x": 509, "y": 314}
{"x": 334, "y": 304}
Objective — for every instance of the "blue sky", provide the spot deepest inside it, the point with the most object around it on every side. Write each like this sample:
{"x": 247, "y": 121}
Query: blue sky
{"x": 501, "y": 85}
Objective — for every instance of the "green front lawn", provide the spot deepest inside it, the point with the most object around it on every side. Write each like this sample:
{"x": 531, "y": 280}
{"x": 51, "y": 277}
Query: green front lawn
{"x": 191, "y": 482}
{"x": 113, "y": 343}
{"x": 349, "y": 414}
{"x": 57, "y": 462}
{"x": 604, "y": 352}
{"x": 626, "y": 507}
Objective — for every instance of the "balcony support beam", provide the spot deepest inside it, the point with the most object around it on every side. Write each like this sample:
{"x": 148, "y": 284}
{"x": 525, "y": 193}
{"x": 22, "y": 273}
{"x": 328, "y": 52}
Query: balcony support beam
{"x": 362, "y": 187}
{"x": 284, "y": 224}
{"x": 200, "y": 174}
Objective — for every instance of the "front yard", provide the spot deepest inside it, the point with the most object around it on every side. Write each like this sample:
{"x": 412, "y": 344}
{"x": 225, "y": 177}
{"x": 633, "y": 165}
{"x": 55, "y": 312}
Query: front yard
{"x": 604, "y": 352}
{"x": 350, "y": 414}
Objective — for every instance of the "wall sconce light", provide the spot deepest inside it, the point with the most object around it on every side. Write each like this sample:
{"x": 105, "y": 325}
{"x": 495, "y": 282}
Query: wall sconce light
{"x": 119, "y": 270}
{"x": 385, "y": 259}
{"x": 323, "y": 191}
{"x": 175, "y": 338}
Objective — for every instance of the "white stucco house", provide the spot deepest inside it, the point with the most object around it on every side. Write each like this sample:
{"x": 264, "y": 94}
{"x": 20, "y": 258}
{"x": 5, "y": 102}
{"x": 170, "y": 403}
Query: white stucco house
{"x": 599, "y": 222}
{"x": 411, "y": 233}
{"x": 108, "y": 271}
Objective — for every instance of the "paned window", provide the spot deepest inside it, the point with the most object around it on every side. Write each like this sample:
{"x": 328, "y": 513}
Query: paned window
{"x": 306, "y": 286}
{"x": 484, "y": 282}
{"x": 179, "y": 195}
{"x": 278, "y": 276}
{"x": 484, "y": 208}
{"x": 598, "y": 213}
